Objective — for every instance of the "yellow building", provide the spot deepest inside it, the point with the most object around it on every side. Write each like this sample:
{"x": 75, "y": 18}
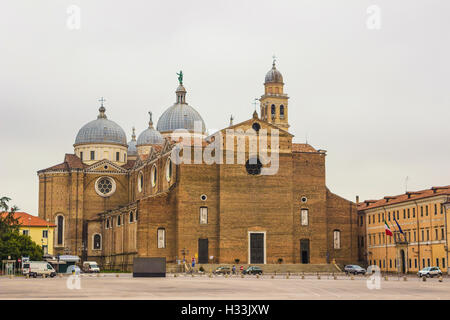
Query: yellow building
{"x": 40, "y": 231}
{"x": 423, "y": 218}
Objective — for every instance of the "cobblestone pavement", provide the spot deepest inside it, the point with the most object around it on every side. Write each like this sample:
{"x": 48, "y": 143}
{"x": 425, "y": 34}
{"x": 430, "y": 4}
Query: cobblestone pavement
{"x": 123, "y": 286}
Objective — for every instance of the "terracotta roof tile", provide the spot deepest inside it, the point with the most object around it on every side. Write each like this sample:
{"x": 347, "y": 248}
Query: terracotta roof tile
{"x": 129, "y": 164}
{"x": 73, "y": 161}
{"x": 302, "y": 147}
{"x": 28, "y": 220}
{"x": 408, "y": 196}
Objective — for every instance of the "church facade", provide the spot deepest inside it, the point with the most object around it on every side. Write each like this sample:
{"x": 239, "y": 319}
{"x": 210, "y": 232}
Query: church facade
{"x": 113, "y": 200}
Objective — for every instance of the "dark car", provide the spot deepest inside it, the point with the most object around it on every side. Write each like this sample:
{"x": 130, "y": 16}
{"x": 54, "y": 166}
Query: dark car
{"x": 222, "y": 270}
{"x": 253, "y": 270}
{"x": 354, "y": 269}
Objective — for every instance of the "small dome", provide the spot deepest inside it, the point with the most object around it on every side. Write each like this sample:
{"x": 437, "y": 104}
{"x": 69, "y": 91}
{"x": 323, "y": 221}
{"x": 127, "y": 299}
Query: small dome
{"x": 150, "y": 135}
{"x": 180, "y": 115}
{"x": 132, "y": 151}
{"x": 273, "y": 76}
{"x": 101, "y": 130}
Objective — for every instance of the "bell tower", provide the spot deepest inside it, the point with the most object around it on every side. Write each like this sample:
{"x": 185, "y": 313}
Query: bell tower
{"x": 274, "y": 102}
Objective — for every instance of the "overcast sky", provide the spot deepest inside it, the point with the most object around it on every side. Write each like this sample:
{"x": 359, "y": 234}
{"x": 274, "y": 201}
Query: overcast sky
{"x": 378, "y": 100}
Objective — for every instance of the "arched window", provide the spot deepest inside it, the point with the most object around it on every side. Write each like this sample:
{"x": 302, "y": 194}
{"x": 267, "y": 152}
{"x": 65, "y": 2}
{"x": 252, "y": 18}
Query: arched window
{"x": 118, "y": 220}
{"x": 281, "y": 112}
{"x": 131, "y": 216}
{"x": 304, "y": 217}
{"x": 161, "y": 238}
{"x": 140, "y": 181}
{"x": 272, "y": 111}
{"x": 60, "y": 230}
{"x": 337, "y": 239}
{"x": 154, "y": 175}
{"x": 168, "y": 169}
{"x": 97, "y": 243}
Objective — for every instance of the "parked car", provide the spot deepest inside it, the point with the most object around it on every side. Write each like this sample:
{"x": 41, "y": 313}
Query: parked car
{"x": 90, "y": 266}
{"x": 430, "y": 272}
{"x": 38, "y": 268}
{"x": 222, "y": 270}
{"x": 253, "y": 270}
{"x": 73, "y": 269}
{"x": 354, "y": 269}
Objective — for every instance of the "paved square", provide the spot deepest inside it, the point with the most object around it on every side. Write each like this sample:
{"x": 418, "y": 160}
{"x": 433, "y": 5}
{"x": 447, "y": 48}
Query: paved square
{"x": 108, "y": 286}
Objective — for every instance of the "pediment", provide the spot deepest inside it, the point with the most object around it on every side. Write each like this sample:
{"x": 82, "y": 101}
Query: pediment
{"x": 105, "y": 166}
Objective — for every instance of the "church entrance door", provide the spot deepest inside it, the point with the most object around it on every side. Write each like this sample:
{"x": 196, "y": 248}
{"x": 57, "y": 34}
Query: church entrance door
{"x": 304, "y": 250}
{"x": 202, "y": 250}
{"x": 257, "y": 248}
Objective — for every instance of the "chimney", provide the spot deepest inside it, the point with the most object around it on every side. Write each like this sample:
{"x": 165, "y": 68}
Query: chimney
{"x": 357, "y": 199}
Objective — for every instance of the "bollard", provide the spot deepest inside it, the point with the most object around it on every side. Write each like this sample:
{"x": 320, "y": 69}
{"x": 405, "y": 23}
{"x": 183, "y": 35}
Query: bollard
{"x": 117, "y": 275}
{"x": 385, "y": 278}
{"x": 60, "y": 275}
{"x": 10, "y": 276}
{"x": 352, "y": 277}
{"x": 192, "y": 275}
{"x": 175, "y": 275}
{"x": 28, "y": 276}
{"x": 441, "y": 279}
{"x": 242, "y": 276}
{"x": 303, "y": 277}
{"x": 334, "y": 277}
{"x": 257, "y": 276}
{"x": 318, "y": 276}
{"x": 424, "y": 278}
{"x": 210, "y": 275}
{"x": 404, "y": 278}
{"x": 226, "y": 275}
{"x": 287, "y": 276}
{"x": 272, "y": 276}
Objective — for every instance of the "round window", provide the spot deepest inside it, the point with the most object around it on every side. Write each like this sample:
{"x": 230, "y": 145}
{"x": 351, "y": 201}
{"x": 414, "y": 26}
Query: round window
{"x": 105, "y": 186}
{"x": 168, "y": 169}
{"x": 304, "y": 199}
{"x": 253, "y": 166}
{"x": 256, "y": 126}
{"x": 203, "y": 197}
{"x": 154, "y": 175}
{"x": 140, "y": 181}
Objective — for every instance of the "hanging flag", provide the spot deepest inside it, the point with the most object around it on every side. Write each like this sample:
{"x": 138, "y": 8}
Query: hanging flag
{"x": 398, "y": 225}
{"x": 387, "y": 229}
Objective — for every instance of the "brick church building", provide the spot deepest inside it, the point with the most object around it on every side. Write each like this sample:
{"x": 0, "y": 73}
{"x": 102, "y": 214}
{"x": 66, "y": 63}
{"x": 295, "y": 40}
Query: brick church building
{"x": 113, "y": 200}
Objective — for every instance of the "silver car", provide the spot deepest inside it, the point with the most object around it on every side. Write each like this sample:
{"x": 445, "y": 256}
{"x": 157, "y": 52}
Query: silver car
{"x": 354, "y": 269}
{"x": 430, "y": 272}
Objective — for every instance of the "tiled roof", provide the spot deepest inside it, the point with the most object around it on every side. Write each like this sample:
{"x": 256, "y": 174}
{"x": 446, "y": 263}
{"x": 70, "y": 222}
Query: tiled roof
{"x": 71, "y": 161}
{"x": 407, "y": 196}
{"x": 28, "y": 220}
{"x": 302, "y": 147}
{"x": 129, "y": 164}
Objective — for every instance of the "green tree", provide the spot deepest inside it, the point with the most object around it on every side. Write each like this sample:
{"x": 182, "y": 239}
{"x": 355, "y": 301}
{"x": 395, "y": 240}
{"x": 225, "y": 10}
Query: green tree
{"x": 12, "y": 243}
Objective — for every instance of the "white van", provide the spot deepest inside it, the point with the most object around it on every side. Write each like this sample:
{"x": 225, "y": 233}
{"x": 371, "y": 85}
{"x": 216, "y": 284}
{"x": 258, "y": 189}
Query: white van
{"x": 38, "y": 268}
{"x": 90, "y": 266}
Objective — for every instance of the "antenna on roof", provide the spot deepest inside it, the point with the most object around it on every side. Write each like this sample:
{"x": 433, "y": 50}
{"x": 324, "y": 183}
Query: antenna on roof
{"x": 306, "y": 138}
{"x": 406, "y": 183}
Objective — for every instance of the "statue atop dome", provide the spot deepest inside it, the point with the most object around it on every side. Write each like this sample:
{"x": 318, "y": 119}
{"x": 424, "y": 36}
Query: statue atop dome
{"x": 180, "y": 77}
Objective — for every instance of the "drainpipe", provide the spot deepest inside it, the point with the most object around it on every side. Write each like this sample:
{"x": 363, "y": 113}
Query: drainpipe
{"x": 446, "y": 207}
{"x": 418, "y": 235}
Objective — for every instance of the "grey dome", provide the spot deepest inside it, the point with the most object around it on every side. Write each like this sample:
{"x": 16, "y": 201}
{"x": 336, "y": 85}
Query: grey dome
{"x": 150, "y": 136}
{"x": 101, "y": 130}
{"x": 132, "y": 151}
{"x": 180, "y": 115}
{"x": 273, "y": 76}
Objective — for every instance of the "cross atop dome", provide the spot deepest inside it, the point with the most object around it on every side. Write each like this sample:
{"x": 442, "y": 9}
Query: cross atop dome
{"x": 102, "y": 109}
